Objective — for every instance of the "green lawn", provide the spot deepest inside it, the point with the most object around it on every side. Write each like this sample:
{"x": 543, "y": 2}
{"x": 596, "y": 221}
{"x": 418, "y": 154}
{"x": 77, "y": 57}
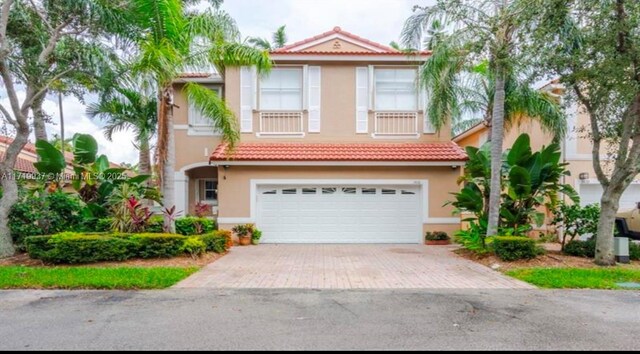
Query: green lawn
{"x": 128, "y": 278}
{"x": 576, "y": 278}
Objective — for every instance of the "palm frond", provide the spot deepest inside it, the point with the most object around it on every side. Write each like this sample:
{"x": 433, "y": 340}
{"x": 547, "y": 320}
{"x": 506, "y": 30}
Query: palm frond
{"x": 260, "y": 43}
{"x": 280, "y": 37}
{"x": 235, "y": 54}
{"x": 214, "y": 107}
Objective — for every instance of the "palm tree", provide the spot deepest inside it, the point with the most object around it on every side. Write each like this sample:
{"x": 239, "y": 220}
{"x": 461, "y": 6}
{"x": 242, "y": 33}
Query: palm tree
{"x": 521, "y": 102}
{"x": 129, "y": 109}
{"x": 481, "y": 30}
{"x": 279, "y": 39}
{"x": 171, "y": 41}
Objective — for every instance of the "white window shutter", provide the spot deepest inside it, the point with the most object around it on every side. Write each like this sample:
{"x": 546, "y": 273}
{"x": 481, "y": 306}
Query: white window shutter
{"x": 427, "y": 126}
{"x": 247, "y": 99}
{"x": 314, "y": 96}
{"x": 254, "y": 85}
{"x": 362, "y": 99}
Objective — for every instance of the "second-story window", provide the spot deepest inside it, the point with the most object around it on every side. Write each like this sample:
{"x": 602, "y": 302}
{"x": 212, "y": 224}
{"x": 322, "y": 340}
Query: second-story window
{"x": 395, "y": 90}
{"x": 197, "y": 120}
{"x": 281, "y": 90}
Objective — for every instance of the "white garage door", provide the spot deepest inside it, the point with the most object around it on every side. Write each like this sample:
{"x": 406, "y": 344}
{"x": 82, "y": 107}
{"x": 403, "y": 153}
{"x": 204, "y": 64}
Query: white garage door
{"x": 339, "y": 214}
{"x": 591, "y": 194}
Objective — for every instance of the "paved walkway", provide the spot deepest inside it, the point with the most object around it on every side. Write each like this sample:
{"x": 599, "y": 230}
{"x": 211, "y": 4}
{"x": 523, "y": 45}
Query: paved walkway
{"x": 348, "y": 267}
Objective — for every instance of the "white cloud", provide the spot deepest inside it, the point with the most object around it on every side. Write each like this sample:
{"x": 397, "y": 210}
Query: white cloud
{"x": 377, "y": 20}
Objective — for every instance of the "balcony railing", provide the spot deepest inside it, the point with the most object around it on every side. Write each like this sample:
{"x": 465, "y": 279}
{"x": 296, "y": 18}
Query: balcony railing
{"x": 396, "y": 123}
{"x": 281, "y": 123}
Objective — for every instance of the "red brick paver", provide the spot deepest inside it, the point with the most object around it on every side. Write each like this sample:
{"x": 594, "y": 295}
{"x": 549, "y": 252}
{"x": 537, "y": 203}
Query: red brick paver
{"x": 347, "y": 267}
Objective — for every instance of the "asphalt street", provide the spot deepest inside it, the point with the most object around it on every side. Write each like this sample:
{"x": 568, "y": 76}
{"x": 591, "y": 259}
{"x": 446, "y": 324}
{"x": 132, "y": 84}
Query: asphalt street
{"x": 308, "y": 319}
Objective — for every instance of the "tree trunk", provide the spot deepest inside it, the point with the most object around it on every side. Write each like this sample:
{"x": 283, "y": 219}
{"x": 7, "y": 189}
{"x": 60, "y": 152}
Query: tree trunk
{"x": 609, "y": 205}
{"x": 39, "y": 119}
{"x": 497, "y": 136}
{"x": 144, "y": 163}
{"x": 10, "y": 189}
{"x": 168, "y": 188}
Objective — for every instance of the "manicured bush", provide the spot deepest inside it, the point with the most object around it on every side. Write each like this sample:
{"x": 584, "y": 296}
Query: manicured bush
{"x": 155, "y": 224}
{"x": 512, "y": 248}
{"x": 69, "y": 247}
{"x": 215, "y": 241}
{"x": 157, "y": 245}
{"x": 577, "y": 248}
{"x": 228, "y": 236}
{"x": 44, "y": 214}
{"x": 38, "y": 246}
{"x": 191, "y": 225}
{"x": 104, "y": 225}
{"x": 436, "y": 236}
{"x": 194, "y": 246}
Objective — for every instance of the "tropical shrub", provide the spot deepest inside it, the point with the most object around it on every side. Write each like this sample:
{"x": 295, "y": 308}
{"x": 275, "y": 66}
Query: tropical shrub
{"x": 512, "y": 248}
{"x": 194, "y": 225}
{"x": 473, "y": 239}
{"x": 634, "y": 251}
{"x": 576, "y": 220}
{"x": 529, "y": 180}
{"x": 215, "y": 241}
{"x": 228, "y": 236}
{"x": 194, "y": 246}
{"x": 94, "y": 178}
{"x": 42, "y": 213}
{"x": 436, "y": 236}
{"x": 156, "y": 224}
{"x": 577, "y": 248}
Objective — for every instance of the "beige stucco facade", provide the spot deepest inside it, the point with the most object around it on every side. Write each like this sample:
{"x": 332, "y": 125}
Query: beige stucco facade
{"x": 338, "y": 123}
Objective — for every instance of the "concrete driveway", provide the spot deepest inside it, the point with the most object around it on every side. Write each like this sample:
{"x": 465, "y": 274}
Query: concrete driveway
{"x": 348, "y": 267}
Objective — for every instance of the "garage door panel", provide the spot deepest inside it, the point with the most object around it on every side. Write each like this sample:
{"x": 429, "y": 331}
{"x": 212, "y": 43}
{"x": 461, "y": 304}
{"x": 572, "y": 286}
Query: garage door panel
{"x": 339, "y": 214}
{"x": 591, "y": 194}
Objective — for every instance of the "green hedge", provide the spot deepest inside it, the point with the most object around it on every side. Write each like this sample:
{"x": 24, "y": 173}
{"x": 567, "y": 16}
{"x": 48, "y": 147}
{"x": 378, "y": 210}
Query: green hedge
{"x": 215, "y": 242}
{"x": 187, "y": 225}
{"x": 73, "y": 248}
{"x": 512, "y": 248}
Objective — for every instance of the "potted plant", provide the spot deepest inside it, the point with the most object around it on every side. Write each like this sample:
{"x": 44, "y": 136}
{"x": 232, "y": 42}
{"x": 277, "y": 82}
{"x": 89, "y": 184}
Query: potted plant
{"x": 244, "y": 232}
{"x": 437, "y": 238}
{"x": 255, "y": 236}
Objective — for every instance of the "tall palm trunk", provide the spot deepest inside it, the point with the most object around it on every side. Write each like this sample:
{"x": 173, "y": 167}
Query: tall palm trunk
{"x": 497, "y": 137}
{"x": 144, "y": 165}
{"x": 166, "y": 154}
{"x": 10, "y": 188}
{"x": 39, "y": 118}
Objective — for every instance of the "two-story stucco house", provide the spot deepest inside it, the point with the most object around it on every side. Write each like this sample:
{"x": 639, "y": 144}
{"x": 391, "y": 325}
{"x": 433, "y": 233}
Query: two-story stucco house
{"x": 576, "y": 150}
{"x": 334, "y": 147}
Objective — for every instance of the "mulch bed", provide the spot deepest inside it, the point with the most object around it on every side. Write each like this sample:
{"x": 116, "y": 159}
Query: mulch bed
{"x": 180, "y": 261}
{"x": 552, "y": 259}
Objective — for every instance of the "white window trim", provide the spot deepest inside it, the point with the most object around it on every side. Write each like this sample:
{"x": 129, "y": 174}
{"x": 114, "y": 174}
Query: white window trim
{"x": 202, "y": 129}
{"x": 373, "y": 88}
{"x": 197, "y": 194}
{"x": 302, "y": 68}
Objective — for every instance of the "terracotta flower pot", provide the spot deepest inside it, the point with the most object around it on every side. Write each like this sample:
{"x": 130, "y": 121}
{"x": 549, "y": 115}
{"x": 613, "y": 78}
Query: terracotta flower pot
{"x": 437, "y": 242}
{"x": 244, "y": 240}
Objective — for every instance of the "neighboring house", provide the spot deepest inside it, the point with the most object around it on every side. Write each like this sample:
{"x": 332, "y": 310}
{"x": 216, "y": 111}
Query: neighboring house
{"x": 334, "y": 147}
{"x": 27, "y": 157}
{"x": 576, "y": 150}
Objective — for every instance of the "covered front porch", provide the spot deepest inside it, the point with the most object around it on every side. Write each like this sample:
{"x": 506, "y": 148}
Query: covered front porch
{"x": 196, "y": 184}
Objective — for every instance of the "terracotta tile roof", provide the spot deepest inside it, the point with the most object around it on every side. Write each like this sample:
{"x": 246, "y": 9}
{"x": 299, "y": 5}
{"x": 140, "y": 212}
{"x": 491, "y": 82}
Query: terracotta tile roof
{"x": 336, "y": 29}
{"x": 195, "y": 75}
{"x": 22, "y": 165}
{"x": 417, "y": 152}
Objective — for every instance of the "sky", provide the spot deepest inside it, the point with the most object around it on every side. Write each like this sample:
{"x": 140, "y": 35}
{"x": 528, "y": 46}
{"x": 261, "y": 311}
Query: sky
{"x": 377, "y": 20}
